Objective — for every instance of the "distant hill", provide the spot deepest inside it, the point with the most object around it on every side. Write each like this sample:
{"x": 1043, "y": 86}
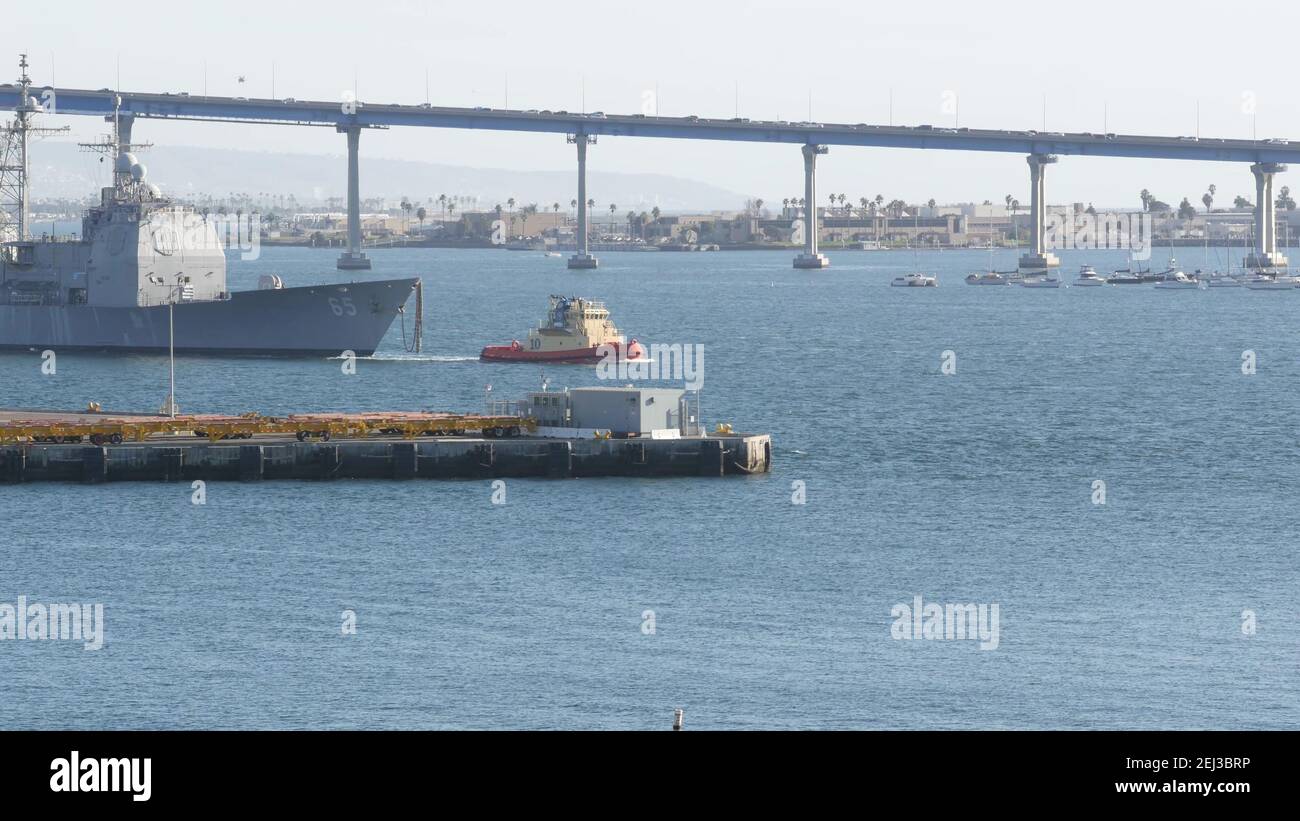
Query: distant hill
{"x": 61, "y": 170}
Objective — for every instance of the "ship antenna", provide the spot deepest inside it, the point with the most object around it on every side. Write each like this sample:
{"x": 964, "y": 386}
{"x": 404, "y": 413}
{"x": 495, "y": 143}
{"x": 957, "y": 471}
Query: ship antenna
{"x": 15, "y": 166}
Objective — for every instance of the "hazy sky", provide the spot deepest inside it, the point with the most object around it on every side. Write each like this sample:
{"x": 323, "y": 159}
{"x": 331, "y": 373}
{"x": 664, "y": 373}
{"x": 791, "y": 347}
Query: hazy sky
{"x": 1129, "y": 67}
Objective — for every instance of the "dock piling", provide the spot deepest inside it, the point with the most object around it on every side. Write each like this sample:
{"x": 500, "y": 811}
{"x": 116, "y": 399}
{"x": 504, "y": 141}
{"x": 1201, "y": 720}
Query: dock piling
{"x": 94, "y": 465}
{"x": 251, "y": 463}
{"x": 712, "y": 458}
{"x": 559, "y": 460}
{"x": 406, "y": 460}
{"x": 13, "y": 465}
{"x": 173, "y": 463}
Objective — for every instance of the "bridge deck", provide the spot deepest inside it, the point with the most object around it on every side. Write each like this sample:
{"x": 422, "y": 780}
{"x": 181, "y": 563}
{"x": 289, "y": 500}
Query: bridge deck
{"x": 367, "y": 114}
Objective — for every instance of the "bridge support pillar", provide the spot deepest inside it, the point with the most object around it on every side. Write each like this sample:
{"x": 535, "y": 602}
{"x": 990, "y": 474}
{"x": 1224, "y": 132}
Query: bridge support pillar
{"x": 582, "y": 259}
{"x": 1265, "y": 254}
{"x": 810, "y": 258}
{"x": 353, "y": 259}
{"x": 1038, "y": 260}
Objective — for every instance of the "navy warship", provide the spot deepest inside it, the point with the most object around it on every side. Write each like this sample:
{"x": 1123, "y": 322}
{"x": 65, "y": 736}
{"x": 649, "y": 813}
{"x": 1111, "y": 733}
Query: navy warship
{"x": 146, "y": 268}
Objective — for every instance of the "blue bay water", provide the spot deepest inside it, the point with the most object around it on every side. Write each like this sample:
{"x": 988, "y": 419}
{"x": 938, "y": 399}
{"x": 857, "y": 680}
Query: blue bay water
{"x": 974, "y": 487}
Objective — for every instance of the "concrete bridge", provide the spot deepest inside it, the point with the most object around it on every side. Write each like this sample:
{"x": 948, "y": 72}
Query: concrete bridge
{"x": 1265, "y": 157}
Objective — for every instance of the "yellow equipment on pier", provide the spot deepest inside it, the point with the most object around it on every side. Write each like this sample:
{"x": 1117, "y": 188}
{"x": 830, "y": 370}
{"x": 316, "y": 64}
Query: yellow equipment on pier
{"x": 100, "y": 429}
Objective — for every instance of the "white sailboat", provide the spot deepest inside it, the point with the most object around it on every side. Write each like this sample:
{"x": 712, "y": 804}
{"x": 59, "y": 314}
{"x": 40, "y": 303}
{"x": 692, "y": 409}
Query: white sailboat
{"x": 1043, "y": 281}
{"x": 915, "y": 280}
{"x": 1260, "y": 281}
{"x": 992, "y": 277}
{"x": 1221, "y": 280}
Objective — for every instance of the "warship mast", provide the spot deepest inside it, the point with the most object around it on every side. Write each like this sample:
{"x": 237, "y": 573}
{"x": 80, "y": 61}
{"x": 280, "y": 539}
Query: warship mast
{"x": 15, "y": 165}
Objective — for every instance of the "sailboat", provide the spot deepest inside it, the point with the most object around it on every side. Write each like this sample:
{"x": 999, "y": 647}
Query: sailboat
{"x": 1044, "y": 281}
{"x": 992, "y": 277}
{"x": 1217, "y": 279}
{"x": 915, "y": 280}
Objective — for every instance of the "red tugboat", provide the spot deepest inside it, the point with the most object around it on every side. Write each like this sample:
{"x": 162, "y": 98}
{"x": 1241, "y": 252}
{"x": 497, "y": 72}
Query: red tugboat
{"x": 574, "y": 331}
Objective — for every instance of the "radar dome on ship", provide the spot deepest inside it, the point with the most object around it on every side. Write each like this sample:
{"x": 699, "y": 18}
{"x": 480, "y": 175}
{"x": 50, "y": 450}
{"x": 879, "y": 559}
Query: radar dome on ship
{"x": 154, "y": 191}
{"x": 124, "y": 161}
{"x": 138, "y": 172}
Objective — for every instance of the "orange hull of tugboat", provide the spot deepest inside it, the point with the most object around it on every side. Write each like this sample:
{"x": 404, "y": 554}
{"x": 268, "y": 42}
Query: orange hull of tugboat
{"x": 517, "y": 352}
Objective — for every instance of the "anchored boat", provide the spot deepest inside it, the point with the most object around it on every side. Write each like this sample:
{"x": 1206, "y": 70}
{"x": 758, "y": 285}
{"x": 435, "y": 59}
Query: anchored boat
{"x": 991, "y": 278}
{"x": 1260, "y": 281}
{"x": 576, "y": 330}
{"x": 915, "y": 281}
{"x": 1088, "y": 278}
{"x": 1178, "y": 281}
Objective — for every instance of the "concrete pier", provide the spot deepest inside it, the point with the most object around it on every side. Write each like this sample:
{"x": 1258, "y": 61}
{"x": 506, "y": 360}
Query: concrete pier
{"x": 1038, "y": 260}
{"x": 810, "y": 258}
{"x": 583, "y": 258}
{"x": 276, "y": 458}
{"x": 353, "y": 259}
{"x": 1265, "y": 254}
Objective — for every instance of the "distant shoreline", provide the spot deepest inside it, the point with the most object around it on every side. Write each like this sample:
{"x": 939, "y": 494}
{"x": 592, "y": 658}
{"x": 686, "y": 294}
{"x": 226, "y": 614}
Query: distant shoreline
{"x": 749, "y": 246}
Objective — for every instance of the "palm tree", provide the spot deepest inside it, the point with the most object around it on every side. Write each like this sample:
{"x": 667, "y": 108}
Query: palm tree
{"x": 1208, "y": 199}
{"x": 420, "y": 214}
{"x": 1146, "y": 199}
{"x": 573, "y": 206}
{"x": 1284, "y": 200}
{"x": 612, "y": 209}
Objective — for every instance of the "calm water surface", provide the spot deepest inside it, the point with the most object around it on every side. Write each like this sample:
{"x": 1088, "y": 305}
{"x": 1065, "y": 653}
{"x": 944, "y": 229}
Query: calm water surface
{"x": 975, "y": 487}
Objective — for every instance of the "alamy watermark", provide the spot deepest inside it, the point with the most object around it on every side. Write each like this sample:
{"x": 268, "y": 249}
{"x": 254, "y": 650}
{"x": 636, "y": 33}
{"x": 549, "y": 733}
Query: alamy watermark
{"x": 946, "y": 622}
{"x": 1088, "y": 232}
{"x": 195, "y": 231}
{"x": 124, "y": 775}
{"x": 663, "y": 362}
{"x": 53, "y": 622}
